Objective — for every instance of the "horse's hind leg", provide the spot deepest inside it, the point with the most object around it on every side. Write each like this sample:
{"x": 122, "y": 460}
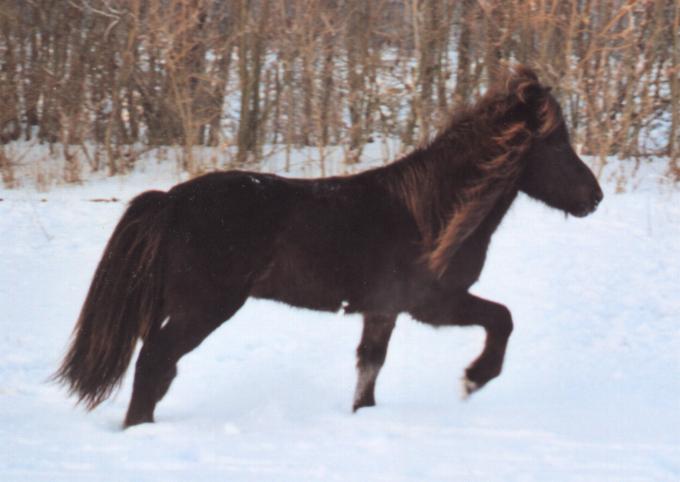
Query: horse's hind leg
{"x": 472, "y": 310}
{"x": 371, "y": 356}
{"x": 185, "y": 330}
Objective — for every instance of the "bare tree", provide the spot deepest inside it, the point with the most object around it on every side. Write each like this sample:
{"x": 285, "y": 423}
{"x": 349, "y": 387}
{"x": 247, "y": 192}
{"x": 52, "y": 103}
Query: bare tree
{"x": 117, "y": 74}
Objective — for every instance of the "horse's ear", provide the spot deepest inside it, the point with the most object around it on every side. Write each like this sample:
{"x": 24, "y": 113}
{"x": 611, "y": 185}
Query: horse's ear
{"x": 523, "y": 82}
{"x": 524, "y": 72}
{"x": 529, "y": 91}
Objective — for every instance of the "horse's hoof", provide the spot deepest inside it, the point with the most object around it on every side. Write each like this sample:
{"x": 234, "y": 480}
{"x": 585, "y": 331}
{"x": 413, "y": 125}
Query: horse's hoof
{"x": 362, "y": 403}
{"x": 468, "y": 387}
{"x": 132, "y": 421}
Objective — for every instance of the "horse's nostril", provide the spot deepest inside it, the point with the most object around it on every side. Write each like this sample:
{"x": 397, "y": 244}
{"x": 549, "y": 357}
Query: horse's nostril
{"x": 596, "y": 196}
{"x": 599, "y": 195}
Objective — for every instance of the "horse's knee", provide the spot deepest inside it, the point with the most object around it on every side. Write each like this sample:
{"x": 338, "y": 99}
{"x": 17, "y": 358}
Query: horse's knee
{"x": 503, "y": 325}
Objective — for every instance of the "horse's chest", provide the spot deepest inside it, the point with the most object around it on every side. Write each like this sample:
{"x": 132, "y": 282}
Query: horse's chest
{"x": 466, "y": 266}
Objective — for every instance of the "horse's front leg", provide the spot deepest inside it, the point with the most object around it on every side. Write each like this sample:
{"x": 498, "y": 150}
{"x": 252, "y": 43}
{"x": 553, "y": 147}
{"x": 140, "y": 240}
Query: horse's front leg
{"x": 466, "y": 310}
{"x": 371, "y": 354}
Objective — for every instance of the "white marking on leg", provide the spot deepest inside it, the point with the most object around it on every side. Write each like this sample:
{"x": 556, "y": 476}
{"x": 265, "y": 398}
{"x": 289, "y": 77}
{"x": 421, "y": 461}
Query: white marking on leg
{"x": 165, "y": 322}
{"x": 367, "y": 375}
{"x": 468, "y": 387}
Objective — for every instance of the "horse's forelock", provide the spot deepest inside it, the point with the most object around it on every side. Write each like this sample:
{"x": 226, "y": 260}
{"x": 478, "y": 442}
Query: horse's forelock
{"x": 524, "y": 84}
{"x": 517, "y": 79}
{"x": 549, "y": 115}
{"x": 520, "y": 85}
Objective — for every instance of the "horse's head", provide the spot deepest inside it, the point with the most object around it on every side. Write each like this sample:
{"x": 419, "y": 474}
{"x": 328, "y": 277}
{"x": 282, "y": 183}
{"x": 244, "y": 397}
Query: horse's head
{"x": 552, "y": 172}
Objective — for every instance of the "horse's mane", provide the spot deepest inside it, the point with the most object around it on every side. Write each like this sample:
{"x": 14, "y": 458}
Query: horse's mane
{"x": 483, "y": 144}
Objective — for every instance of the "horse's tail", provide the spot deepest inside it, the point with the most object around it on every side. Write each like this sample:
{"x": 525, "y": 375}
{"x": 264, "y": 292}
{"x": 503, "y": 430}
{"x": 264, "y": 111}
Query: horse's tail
{"x": 124, "y": 303}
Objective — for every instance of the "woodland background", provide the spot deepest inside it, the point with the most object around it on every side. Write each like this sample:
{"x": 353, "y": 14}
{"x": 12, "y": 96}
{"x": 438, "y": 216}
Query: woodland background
{"x": 101, "y": 82}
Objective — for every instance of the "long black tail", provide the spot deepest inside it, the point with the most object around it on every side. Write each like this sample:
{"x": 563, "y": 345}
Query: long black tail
{"x": 124, "y": 302}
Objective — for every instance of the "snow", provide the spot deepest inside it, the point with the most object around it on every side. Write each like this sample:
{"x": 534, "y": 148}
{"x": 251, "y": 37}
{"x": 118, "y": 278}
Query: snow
{"x": 590, "y": 390}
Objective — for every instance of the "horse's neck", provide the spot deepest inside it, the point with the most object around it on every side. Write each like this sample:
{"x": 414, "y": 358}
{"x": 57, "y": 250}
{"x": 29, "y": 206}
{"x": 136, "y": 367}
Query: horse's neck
{"x": 496, "y": 215}
{"x": 425, "y": 184}
{"x": 443, "y": 169}
{"x": 450, "y": 197}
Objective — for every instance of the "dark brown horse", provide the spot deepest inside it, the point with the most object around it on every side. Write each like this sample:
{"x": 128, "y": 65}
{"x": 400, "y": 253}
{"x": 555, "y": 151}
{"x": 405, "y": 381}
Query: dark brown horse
{"x": 409, "y": 237}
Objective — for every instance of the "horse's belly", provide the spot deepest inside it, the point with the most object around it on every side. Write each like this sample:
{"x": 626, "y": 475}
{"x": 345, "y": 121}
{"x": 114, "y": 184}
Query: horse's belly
{"x": 299, "y": 288}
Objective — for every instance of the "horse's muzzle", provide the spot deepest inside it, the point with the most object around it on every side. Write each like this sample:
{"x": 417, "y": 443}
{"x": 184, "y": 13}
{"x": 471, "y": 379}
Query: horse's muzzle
{"x": 589, "y": 206}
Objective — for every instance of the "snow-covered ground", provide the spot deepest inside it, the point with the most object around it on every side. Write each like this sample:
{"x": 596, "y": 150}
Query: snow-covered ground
{"x": 590, "y": 391}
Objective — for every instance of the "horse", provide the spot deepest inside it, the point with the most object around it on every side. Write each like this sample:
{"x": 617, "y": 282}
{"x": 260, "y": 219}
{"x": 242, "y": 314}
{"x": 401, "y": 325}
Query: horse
{"x": 408, "y": 237}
